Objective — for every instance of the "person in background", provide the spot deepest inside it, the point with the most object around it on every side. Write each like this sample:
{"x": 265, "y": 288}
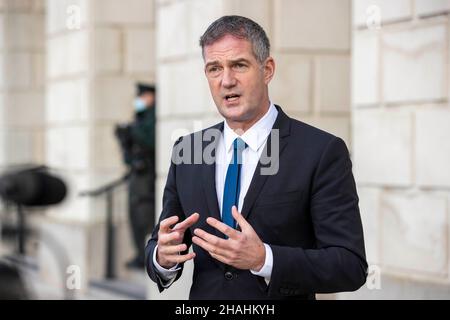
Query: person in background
{"x": 137, "y": 141}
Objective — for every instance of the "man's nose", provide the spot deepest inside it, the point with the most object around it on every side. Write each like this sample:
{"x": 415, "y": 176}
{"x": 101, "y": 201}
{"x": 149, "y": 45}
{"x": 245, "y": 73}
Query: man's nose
{"x": 228, "y": 79}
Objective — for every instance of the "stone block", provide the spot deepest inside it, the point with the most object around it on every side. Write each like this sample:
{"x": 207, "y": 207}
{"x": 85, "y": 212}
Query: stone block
{"x": 172, "y": 35}
{"x": 121, "y": 12}
{"x": 184, "y": 89}
{"x": 67, "y": 15}
{"x": 140, "y": 51}
{"x": 414, "y": 64}
{"x": 25, "y": 109}
{"x": 25, "y": 31}
{"x": 18, "y": 146}
{"x": 3, "y": 76}
{"x": 2, "y": 30}
{"x": 385, "y": 11}
{"x": 65, "y": 244}
{"x": 333, "y": 84}
{"x": 415, "y": 232}
{"x": 107, "y": 50}
{"x": 67, "y": 101}
{"x": 39, "y": 6}
{"x": 68, "y": 147}
{"x": 113, "y": 99}
{"x": 262, "y": 16}
{"x": 201, "y": 14}
{"x": 105, "y": 153}
{"x": 382, "y": 143}
{"x": 432, "y": 150}
{"x": 291, "y": 87}
{"x": 365, "y": 68}
{"x": 68, "y": 54}
{"x": 337, "y": 125}
{"x": 16, "y": 70}
{"x": 426, "y": 7}
{"x": 19, "y": 5}
{"x": 323, "y": 24}
{"x": 39, "y": 69}
{"x": 369, "y": 206}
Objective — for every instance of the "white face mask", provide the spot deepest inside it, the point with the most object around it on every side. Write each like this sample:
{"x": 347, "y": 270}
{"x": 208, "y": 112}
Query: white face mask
{"x": 139, "y": 105}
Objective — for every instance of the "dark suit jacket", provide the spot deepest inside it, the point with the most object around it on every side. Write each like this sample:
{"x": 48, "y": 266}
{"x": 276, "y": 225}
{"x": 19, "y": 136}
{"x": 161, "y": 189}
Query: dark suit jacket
{"x": 307, "y": 212}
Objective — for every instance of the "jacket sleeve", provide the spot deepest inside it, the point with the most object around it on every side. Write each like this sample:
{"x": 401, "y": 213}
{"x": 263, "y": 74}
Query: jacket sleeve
{"x": 338, "y": 262}
{"x": 171, "y": 207}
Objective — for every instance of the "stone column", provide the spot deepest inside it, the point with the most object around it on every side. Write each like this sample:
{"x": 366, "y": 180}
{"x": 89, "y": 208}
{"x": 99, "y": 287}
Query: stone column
{"x": 22, "y": 80}
{"x": 401, "y": 131}
{"x": 22, "y": 77}
{"x": 311, "y": 45}
{"x": 97, "y": 51}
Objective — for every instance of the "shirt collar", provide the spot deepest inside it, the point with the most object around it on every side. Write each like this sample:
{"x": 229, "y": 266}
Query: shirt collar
{"x": 256, "y": 135}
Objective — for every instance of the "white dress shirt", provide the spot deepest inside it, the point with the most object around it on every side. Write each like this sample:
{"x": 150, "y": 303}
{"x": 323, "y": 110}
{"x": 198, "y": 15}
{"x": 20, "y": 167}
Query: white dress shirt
{"x": 255, "y": 138}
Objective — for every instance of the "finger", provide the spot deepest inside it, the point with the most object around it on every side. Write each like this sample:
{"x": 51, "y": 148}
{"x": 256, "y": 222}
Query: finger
{"x": 222, "y": 227}
{"x": 167, "y": 250}
{"x": 208, "y": 247}
{"x": 212, "y": 239}
{"x": 164, "y": 225}
{"x": 189, "y": 221}
{"x": 221, "y": 258}
{"x": 239, "y": 218}
{"x": 168, "y": 238}
{"x": 180, "y": 258}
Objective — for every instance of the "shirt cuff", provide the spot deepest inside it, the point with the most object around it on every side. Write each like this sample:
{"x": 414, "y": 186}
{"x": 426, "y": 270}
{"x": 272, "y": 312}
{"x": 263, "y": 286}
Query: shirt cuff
{"x": 167, "y": 275}
{"x": 266, "y": 270}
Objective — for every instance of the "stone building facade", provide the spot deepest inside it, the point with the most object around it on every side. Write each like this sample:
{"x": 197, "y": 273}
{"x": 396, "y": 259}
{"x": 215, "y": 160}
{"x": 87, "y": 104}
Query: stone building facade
{"x": 372, "y": 72}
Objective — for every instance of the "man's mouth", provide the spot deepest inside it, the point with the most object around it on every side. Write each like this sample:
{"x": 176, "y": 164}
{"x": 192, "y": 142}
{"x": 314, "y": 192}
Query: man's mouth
{"x": 232, "y": 97}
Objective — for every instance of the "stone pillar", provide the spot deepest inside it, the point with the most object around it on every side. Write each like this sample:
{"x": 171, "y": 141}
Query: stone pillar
{"x": 22, "y": 83}
{"x": 22, "y": 58}
{"x": 311, "y": 45}
{"x": 97, "y": 51}
{"x": 401, "y": 131}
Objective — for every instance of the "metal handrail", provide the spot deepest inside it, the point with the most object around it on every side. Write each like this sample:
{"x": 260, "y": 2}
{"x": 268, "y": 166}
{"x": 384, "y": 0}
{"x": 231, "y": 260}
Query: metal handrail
{"x": 108, "y": 189}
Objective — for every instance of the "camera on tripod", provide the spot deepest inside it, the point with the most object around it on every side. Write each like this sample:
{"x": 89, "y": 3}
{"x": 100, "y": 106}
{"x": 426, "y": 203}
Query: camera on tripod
{"x": 25, "y": 187}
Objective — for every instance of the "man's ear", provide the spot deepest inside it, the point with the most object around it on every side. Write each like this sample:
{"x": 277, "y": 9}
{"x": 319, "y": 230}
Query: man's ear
{"x": 269, "y": 70}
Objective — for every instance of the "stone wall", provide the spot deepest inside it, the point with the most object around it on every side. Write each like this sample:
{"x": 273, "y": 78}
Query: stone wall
{"x": 97, "y": 51}
{"x": 375, "y": 73}
{"x": 22, "y": 81}
{"x": 401, "y": 129}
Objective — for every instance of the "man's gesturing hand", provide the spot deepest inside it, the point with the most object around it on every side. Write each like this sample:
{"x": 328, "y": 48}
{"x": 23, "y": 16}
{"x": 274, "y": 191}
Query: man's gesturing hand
{"x": 242, "y": 250}
{"x": 170, "y": 241}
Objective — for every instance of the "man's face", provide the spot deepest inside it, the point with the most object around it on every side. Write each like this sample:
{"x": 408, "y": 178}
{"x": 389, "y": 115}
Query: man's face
{"x": 238, "y": 82}
{"x": 148, "y": 98}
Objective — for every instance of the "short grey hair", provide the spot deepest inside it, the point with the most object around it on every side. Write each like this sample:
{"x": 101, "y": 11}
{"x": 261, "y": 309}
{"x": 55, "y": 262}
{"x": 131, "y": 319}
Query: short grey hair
{"x": 241, "y": 28}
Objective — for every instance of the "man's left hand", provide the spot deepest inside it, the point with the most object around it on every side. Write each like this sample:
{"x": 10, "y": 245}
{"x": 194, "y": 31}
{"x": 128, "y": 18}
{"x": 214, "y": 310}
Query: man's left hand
{"x": 242, "y": 250}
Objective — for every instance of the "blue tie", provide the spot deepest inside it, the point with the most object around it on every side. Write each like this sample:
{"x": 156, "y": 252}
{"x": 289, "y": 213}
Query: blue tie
{"x": 233, "y": 183}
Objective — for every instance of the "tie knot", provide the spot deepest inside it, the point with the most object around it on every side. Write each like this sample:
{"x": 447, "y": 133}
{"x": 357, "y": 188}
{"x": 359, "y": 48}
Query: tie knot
{"x": 239, "y": 144}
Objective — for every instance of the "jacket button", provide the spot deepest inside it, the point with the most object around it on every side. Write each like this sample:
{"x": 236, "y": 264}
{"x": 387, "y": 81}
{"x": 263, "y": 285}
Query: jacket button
{"x": 229, "y": 275}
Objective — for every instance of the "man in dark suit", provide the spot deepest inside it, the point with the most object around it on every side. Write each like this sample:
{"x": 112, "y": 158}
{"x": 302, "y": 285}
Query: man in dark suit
{"x": 268, "y": 203}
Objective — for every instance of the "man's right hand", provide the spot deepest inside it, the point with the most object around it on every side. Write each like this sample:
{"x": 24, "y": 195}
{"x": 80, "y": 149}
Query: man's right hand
{"x": 170, "y": 241}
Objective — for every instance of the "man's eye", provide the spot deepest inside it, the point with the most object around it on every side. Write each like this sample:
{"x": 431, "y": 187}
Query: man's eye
{"x": 213, "y": 69}
{"x": 239, "y": 66}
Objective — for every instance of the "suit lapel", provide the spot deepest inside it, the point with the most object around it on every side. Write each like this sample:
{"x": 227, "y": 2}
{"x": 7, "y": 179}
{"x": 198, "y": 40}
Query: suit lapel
{"x": 209, "y": 187}
{"x": 282, "y": 123}
{"x": 209, "y": 179}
